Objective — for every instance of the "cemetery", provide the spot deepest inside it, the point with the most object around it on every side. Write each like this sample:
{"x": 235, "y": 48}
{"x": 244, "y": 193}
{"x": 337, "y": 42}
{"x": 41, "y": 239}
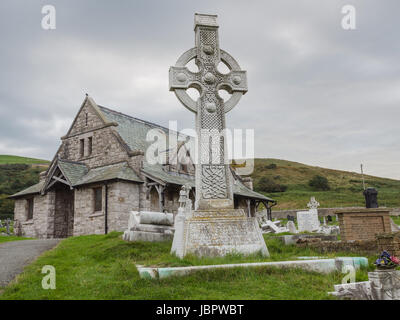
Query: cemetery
{"x": 161, "y": 233}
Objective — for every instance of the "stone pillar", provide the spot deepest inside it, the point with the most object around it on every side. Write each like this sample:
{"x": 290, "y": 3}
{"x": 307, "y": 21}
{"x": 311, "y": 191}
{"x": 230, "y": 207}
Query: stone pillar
{"x": 389, "y": 242}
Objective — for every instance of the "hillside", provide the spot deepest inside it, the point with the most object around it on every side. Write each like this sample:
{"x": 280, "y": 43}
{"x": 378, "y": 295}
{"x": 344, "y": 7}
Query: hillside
{"x": 345, "y": 187}
{"x": 9, "y": 159}
{"x": 17, "y": 173}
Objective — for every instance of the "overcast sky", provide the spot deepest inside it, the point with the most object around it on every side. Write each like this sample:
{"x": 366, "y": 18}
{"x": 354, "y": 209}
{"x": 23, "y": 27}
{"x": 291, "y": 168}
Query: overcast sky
{"x": 318, "y": 94}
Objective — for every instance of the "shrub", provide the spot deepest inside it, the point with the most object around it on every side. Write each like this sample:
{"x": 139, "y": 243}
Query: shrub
{"x": 267, "y": 185}
{"x": 271, "y": 166}
{"x": 319, "y": 183}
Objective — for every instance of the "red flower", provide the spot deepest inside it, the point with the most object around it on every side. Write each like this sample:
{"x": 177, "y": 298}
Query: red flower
{"x": 395, "y": 259}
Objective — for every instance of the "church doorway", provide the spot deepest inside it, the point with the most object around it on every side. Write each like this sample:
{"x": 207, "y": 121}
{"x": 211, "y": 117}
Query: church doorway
{"x": 64, "y": 211}
{"x": 154, "y": 200}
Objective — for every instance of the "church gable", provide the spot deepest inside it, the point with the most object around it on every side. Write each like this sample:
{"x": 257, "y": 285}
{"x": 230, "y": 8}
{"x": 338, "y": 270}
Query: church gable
{"x": 88, "y": 118}
{"x": 92, "y": 139}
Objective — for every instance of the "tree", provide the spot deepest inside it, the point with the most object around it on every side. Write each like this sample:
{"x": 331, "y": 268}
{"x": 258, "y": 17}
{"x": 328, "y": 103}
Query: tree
{"x": 319, "y": 183}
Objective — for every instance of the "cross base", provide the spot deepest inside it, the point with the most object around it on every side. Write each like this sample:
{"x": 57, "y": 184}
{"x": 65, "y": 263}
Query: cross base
{"x": 217, "y": 233}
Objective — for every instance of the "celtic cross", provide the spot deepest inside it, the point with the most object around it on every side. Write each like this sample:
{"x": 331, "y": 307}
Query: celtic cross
{"x": 213, "y": 182}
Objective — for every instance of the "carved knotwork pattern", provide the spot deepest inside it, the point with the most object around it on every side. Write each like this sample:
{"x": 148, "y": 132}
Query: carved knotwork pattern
{"x": 214, "y": 182}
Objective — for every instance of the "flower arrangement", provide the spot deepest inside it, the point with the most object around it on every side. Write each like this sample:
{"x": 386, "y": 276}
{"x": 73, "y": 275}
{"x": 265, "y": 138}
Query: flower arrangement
{"x": 386, "y": 261}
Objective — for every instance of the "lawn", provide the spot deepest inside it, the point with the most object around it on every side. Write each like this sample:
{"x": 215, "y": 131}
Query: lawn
{"x": 12, "y": 238}
{"x": 103, "y": 267}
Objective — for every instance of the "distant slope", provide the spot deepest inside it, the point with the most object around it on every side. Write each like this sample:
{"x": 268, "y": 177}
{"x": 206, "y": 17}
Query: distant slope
{"x": 16, "y": 174}
{"x": 346, "y": 187}
{"x": 9, "y": 159}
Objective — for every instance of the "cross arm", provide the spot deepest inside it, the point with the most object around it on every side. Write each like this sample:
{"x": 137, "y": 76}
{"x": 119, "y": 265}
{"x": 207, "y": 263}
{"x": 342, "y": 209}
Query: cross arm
{"x": 235, "y": 81}
{"x": 182, "y": 78}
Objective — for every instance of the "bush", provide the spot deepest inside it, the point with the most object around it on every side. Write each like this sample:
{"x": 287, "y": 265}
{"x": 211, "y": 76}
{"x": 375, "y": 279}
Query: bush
{"x": 267, "y": 185}
{"x": 319, "y": 183}
{"x": 271, "y": 166}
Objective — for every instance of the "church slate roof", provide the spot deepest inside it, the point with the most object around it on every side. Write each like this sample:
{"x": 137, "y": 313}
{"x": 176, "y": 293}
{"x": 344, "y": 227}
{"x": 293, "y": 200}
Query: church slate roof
{"x": 30, "y": 190}
{"x": 73, "y": 171}
{"x": 120, "y": 171}
{"x": 78, "y": 174}
{"x": 156, "y": 171}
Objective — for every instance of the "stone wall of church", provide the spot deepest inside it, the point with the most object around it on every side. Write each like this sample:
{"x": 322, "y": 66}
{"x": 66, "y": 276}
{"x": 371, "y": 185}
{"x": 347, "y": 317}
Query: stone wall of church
{"x": 105, "y": 148}
{"x": 42, "y": 223}
{"x": 86, "y": 220}
{"x": 123, "y": 197}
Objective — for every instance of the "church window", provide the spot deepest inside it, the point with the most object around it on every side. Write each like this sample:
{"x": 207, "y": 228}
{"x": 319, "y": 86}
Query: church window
{"x": 98, "y": 197}
{"x": 90, "y": 143}
{"x": 30, "y": 209}
{"x": 82, "y": 147}
{"x": 86, "y": 118}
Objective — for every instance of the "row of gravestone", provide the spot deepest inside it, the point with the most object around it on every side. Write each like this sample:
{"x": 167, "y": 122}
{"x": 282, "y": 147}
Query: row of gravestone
{"x": 293, "y": 218}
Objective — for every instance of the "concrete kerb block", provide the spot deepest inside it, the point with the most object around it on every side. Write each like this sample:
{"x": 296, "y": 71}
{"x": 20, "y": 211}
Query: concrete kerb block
{"x": 316, "y": 265}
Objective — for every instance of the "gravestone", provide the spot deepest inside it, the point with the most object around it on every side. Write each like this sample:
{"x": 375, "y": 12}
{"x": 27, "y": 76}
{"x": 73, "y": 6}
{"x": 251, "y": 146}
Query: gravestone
{"x": 329, "y": 218}
{"x": 215, "y": 228}
{"x": 308, "y": 220}
{"x": 8, "y": 221}
{"x": 149, "y": 226}
{"x": 291, "y": 227}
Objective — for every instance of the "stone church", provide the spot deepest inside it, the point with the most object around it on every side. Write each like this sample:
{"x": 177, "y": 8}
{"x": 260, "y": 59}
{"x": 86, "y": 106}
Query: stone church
{"x": 100, "y": 173}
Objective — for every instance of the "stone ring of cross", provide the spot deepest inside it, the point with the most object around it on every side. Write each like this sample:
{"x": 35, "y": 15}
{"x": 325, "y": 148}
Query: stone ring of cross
{"x": 181, "y": 78}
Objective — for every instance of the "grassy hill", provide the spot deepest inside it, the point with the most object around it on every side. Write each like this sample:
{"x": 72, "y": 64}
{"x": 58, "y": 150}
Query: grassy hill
{"x": 16, "y": 174}
{"x": 8, "y": 159}
{"x": 345, "y": 187}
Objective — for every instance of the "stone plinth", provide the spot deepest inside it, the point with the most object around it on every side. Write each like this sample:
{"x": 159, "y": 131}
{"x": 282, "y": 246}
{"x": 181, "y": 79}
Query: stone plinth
{"x": 220, "y": 232}
{"x": 385, "y": 284}
{"x": 389, "y": 242}
{"x": 363, "y": 224}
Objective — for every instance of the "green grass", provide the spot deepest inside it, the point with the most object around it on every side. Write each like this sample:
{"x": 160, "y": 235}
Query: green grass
{"x": 12, "y": 238}
{"x": 103, "y": 267}
{"x": 346, "y": 187}
{"x": 9, "y": 159}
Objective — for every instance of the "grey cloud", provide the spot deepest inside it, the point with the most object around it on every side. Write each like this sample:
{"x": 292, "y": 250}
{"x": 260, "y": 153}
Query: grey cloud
{"x": 317, "y": 94}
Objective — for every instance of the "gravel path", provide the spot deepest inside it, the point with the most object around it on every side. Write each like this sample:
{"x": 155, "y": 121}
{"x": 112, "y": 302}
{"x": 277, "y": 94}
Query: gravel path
{"x": 15, "y": 255}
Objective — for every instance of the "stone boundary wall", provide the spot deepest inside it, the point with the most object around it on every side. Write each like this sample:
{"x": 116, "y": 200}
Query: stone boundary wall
{"x": 282, "y": 214}
{"x": 358, "y": 246}
{"x": 389, "y": 242}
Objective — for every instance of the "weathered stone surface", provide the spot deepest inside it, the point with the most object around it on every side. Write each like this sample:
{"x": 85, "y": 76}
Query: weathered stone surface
{"x": 158, "y": 218}
{"x": 218, "y": 233}
{"x": 363, "y": 224}
{"x": 390, "y": 242}
{"x": 291, "y": 227}
{"x": 382, "y": 285}
{"x": 317, "y": 265}
{"x": 215, "y": 228}
{"x": 308, "y": 220}
{"x": 149, "y": 226}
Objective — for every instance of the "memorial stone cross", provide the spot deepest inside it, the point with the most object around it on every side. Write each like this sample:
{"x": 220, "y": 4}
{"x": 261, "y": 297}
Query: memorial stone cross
{"x": 213, "y": 185}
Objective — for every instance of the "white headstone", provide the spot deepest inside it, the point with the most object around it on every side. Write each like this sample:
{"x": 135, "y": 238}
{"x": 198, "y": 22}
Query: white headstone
{"x": 291, "y": 226}
{"x": 308, "y": 220}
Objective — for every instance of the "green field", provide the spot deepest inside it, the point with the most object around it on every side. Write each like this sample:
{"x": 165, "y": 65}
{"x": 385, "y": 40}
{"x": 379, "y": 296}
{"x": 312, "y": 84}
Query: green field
{"x": 8, "y": 159}
{"x": 103, "y": 267}
{"x": 345, "y": 187}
